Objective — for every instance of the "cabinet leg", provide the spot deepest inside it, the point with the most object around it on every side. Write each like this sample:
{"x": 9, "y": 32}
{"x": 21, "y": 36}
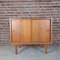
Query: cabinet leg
{"x": 16, "y": 49}
{"x": 41, "y": 45}
{"x": 19, "y": 46}
{"x": 46, "y": 49}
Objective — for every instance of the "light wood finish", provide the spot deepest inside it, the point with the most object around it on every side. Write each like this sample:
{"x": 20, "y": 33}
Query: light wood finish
{"x": 41, "y": 31}
{"x": 30, "y": 31}
{"x": 21, "y": 31}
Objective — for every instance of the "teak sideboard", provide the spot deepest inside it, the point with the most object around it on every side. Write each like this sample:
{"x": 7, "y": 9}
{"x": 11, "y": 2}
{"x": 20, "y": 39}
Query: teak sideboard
{"x": 30, "y": 31}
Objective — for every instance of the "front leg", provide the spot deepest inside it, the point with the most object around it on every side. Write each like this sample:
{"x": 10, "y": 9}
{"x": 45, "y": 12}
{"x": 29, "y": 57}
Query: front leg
{"x": 16, "y": 49}
{"x": 46, "y": 48}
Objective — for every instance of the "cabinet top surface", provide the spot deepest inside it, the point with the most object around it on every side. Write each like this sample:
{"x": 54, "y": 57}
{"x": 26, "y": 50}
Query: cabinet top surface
{"x": 30, "y": 19}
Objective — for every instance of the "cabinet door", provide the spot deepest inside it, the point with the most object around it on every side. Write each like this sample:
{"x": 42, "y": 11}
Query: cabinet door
{"x": 41, "y": 31}
{"x": 21, "y": 31}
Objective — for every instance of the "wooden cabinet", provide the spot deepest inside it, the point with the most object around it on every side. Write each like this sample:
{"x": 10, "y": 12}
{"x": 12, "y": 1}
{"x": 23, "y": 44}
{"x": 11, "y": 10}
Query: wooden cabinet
{"x": 30, "y": 31}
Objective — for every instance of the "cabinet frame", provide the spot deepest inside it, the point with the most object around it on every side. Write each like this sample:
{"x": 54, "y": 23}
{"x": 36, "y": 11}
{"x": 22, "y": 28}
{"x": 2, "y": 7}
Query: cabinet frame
{"x": 18, "y": 44}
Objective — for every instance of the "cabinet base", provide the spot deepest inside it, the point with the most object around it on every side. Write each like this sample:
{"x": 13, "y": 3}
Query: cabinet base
{"x": 45, "y": 47}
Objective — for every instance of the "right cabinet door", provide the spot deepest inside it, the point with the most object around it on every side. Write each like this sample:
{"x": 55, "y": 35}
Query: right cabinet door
{"x": 41, "y": 31}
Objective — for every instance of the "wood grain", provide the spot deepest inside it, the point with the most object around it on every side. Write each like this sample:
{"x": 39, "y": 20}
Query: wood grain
{"x": 31, "y": 31}
{"x": 41, "y": 31}
{"x": 21, "y": 31}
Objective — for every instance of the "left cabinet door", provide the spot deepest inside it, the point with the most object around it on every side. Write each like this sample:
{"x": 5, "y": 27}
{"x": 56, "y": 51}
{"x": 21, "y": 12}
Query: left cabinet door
{"x": 21, "y": 31}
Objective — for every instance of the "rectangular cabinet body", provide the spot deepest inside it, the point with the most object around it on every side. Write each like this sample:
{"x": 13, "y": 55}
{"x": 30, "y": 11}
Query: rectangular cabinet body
{"x": 30, "y": 31}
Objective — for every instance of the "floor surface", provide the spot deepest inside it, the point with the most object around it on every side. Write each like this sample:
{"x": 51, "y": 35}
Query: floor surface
{"x": 30, "y": 53}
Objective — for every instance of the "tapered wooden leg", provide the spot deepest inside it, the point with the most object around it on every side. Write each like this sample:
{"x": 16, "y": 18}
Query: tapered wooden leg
{"x": 16, "y": 49}
{"x": 46, "y": 48}
{"x": 19, "y": 46}
{"x": 41, "y": 45}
